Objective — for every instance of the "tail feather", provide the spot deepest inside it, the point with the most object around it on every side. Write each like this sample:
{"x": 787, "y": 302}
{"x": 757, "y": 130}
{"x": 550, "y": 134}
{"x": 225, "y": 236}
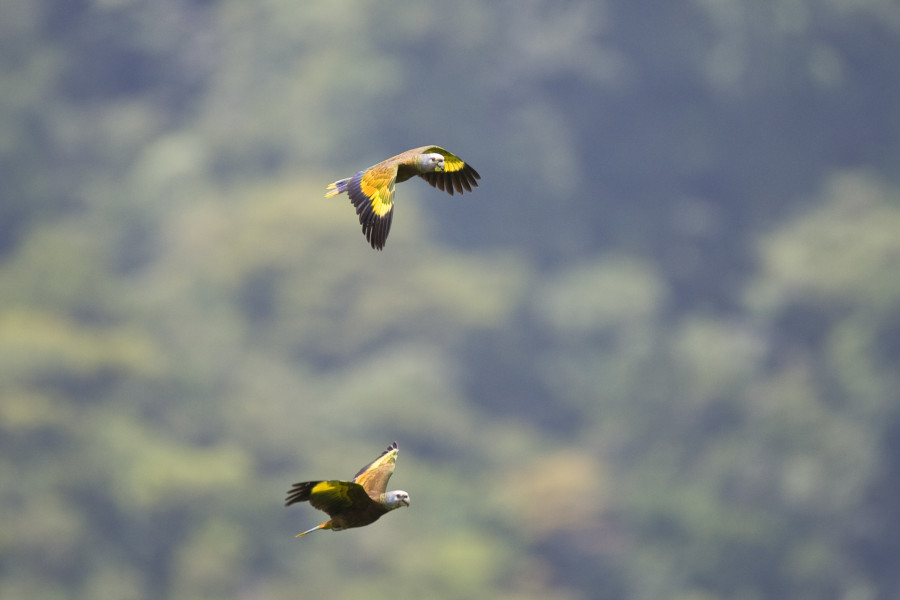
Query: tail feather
{"x": 338, "y": 187}
{"x": 325, "y": 525}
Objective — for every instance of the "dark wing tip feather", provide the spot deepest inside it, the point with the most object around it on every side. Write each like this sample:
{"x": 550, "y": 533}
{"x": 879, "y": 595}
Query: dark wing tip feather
{"x": 454, "y": 182}
{"x": 458, "y": 180}
{"x": 390, "y": 448}
{"x": 376, "y": 228}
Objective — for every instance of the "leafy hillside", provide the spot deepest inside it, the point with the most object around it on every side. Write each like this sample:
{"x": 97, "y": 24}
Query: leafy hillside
{"x": 653, "y": 355}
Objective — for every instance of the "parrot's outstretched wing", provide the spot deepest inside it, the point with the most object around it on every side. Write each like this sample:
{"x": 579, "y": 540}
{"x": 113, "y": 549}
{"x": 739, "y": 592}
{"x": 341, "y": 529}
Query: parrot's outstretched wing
{"x": 334, "y": 497}
{"x": 374, "y": 476}
{"x": 457, "y": 175}
{"x": 372, "y": 193}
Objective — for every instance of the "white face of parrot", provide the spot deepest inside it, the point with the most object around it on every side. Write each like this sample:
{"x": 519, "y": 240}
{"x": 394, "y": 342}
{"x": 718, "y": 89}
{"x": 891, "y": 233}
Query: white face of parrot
{"x": 431, "y": 162}
{"x": 396, "y": 499}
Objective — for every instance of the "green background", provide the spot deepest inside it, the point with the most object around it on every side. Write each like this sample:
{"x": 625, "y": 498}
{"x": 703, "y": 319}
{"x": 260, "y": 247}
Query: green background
{"x": 653, "y": 356}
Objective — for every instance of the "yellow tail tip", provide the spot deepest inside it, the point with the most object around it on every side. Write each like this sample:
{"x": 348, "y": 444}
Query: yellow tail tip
{"x": 335, "y": 188}
{"x": 316, "y": 528}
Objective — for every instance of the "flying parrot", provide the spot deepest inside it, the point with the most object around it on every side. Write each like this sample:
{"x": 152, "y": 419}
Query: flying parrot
{"x": 353, "y": 503}
{"x": 372, "y": 191}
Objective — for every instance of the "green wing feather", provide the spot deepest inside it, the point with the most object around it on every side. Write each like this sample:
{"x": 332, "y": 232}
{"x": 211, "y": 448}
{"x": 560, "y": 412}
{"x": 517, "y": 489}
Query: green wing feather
{"x": 338, "y": 496}
{"x": 334, "y": 496}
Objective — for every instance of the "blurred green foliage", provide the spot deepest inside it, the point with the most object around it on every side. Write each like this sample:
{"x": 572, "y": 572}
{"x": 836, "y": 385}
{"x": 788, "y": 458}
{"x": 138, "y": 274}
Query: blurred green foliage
{"x": 653, "y": 355}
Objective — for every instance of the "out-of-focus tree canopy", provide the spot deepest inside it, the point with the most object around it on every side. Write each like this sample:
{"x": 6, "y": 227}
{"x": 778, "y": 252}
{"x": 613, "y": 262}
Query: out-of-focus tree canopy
{"x": 653, "y": 355}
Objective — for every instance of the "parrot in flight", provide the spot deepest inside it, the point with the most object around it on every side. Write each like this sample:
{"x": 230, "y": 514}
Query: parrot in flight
{"x": 353, "y": 503}
{"x": 372, "y": 191}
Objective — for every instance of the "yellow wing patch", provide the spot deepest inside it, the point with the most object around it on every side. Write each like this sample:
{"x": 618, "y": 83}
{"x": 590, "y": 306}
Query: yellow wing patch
{"x": 453, "y": 163}
{"x": 377, "y": 184}
{"x": 331, "y": 495}
{"x": 330, "y": 488}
